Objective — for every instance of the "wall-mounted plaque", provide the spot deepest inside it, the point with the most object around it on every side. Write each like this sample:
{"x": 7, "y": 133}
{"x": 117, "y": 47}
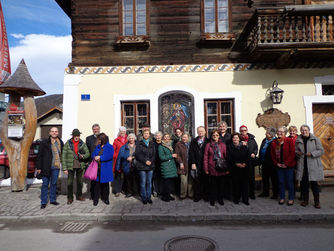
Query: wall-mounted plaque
{"x": 273, "y": 118}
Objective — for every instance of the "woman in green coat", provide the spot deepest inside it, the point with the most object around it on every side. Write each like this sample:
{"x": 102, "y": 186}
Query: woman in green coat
{"x": 168, "y": 167}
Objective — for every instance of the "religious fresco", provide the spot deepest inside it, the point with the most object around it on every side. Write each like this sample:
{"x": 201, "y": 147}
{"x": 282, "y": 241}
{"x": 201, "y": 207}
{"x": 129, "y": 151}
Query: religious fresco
{"x": 176, "y": 112}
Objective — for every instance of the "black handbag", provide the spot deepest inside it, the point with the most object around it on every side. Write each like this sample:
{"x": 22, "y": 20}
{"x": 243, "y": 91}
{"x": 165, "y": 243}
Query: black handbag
{"x": 222, "y": 165}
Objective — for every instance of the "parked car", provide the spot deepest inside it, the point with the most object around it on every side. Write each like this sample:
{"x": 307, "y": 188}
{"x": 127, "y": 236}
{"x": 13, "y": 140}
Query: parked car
{"x": 4, "y": 162}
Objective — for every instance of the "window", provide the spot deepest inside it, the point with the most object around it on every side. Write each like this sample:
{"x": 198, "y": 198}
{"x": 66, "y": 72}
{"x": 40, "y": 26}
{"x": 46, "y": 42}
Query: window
{"x": 216, "y": 111}
{"x": 327, "y": 89}
{"x": 135, "y": 115}
{"x": 215, "y": 15}
{"x": 134, "y": 17}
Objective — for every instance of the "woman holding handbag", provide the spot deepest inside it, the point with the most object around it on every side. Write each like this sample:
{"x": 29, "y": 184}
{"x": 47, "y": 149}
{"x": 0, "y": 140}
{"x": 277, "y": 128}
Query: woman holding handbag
{"x": 214, "y": 154}
{"x": 103, "y": 155}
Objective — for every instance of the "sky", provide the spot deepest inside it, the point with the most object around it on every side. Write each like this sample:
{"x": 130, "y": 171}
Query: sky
{"x": 40, "y": 32}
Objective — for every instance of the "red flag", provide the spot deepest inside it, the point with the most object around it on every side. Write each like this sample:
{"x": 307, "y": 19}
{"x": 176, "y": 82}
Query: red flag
{"x": 4, "y": 51}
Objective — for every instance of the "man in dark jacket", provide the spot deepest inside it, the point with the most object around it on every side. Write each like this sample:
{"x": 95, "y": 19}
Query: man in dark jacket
{"x": 48, "y": 165}
{"x": 91, "y": 140}
{"x": 225, "y": 136}
{"x": 196, "y": 156}
{"x": 248, "y": 140}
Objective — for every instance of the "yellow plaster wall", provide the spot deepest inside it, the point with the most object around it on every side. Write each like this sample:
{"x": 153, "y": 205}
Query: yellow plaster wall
{"x": 252, "y": 84}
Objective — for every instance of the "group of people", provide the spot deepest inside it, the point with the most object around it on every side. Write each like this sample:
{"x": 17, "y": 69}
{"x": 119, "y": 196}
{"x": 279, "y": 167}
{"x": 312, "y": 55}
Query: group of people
{"x": 165, "y": 165}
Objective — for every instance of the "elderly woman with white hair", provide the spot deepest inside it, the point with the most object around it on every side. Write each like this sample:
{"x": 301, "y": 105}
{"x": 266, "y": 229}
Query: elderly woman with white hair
{"x": 125, "y": 164}
{"x": 309, "y": 167}
{"x": 118, "y": 143}
{"x": 283, "y": 154}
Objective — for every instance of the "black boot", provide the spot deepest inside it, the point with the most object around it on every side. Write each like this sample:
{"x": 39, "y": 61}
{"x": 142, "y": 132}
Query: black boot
{"x": 317, "y": 201}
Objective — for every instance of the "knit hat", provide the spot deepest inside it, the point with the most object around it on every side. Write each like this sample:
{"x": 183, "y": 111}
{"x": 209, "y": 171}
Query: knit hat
{"x": 243, "y": 126}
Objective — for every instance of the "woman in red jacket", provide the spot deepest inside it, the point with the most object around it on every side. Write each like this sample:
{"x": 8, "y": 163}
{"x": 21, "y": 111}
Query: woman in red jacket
{"x": 215, "y": 150}
{"x": 118, "y": 143}
{"x": 283, "y": 155}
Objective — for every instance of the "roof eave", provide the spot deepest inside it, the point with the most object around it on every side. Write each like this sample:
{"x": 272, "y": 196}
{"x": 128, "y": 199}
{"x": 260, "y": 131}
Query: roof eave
{"x": 66, "y": 6}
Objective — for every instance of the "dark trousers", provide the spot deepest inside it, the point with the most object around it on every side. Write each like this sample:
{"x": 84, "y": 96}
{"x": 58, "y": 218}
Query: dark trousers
{"x": 240, "y": 181}
{"x": 305, "y": 185}
{"x": 216, "y": 186}
{"x": 156, "y": 182}
{"x": 251, "y": 180}
{"x": 100, "y": 190}
{"x": 131, "y": 184}
{"x": 227, "y": 191}
{"x": 117, "y": 184}
{"x": 198, "y": 187}
{"x": 167, "y": 186}
{"x": 78, "y": 172}
{"x": 269, "y": 174}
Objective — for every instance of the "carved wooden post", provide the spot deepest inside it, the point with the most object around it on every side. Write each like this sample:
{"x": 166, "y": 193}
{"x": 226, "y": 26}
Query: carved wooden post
{"x": 20, "y": 84}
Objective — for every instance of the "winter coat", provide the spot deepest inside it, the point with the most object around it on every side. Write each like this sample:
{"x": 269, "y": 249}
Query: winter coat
{"x": 252, "y": 148}
{"x": 122, "y": 160}
{"x": 68, "y": 155}
{"x": 238, "y": 155}
{"x": 145, "y": 153}
{"x": 91, "y": 142}
{"x": 106, "y": 163}
{"x": 182, "y": 157}
{"x": 168, "y": 167}
{"x": 44, "y": 157}
{"x": 289, "y": 155}
{"x": 226, "y": 139}
{"x": 314, "y": 166}
{"x": 209, "y": 162}
{"x": 267, "y": 162}
{"x": 196, "y": 154}
{"x": 118, "y": 143}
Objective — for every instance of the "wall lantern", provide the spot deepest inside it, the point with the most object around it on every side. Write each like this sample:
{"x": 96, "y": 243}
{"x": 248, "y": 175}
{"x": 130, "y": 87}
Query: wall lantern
{"x": 276, "y": 94}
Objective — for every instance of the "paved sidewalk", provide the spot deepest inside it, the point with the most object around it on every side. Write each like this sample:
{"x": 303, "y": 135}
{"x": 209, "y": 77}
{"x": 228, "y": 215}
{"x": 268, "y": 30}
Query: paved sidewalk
{"x": 26, "y": 206}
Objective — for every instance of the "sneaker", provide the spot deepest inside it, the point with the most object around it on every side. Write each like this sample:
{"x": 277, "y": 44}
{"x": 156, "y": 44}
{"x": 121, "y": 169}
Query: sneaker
{"x": 171, "y": 197}
{"x": 43, "y": 206}
{"x": 55, "y": 203}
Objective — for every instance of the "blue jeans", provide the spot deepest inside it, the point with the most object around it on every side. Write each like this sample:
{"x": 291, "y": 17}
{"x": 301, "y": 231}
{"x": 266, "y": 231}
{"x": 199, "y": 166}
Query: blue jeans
{"x": 53, "y": 186}
{"x": 145, "y": 184}
{"x": 285, "y": 178}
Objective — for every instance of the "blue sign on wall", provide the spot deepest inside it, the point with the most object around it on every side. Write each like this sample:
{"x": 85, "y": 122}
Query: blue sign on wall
{"x": 85, "y": 97}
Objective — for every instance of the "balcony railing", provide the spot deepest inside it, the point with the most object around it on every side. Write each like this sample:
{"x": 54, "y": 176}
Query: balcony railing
{"x": 298, "y": 26}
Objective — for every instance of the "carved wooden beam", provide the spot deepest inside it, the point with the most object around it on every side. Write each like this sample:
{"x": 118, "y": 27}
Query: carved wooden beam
{"x": 18, "y": 150}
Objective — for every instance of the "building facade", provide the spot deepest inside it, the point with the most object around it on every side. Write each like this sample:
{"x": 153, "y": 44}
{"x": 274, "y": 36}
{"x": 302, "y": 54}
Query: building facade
{"x": 190, "y": 63}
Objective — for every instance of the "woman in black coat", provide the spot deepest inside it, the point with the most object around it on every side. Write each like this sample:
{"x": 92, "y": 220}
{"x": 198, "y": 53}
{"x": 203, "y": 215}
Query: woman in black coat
{"x": 145, "y": 162}
{"x": 268, "y": 168}
{"x": 239, "y": 159}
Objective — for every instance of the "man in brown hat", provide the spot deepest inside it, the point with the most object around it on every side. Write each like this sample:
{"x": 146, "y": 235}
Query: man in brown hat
{"x": 73, "y": 160}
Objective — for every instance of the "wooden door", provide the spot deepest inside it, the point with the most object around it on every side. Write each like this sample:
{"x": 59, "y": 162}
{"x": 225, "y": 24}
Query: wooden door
{"x": 323, "y": 122}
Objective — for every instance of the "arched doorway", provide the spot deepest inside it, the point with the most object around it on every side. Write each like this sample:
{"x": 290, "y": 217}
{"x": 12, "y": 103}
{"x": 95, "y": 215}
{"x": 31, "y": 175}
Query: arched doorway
{"x": 176, "y": 110}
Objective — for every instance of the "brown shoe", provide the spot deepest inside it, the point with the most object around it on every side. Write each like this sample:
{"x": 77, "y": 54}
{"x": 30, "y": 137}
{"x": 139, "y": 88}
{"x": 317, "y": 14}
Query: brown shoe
{"x": 304, "y": 203}
{"x": 81, "y": 199}
{"x": 69, "y": 201}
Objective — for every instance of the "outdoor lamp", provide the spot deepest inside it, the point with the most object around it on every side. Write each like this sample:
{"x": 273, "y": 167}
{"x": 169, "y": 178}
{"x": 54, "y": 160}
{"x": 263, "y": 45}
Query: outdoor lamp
{"x": 276, "y": 94}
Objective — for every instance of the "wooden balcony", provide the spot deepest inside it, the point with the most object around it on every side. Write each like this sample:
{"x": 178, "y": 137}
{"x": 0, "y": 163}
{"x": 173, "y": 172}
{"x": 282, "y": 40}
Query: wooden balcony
{"x": 291, "y": 33}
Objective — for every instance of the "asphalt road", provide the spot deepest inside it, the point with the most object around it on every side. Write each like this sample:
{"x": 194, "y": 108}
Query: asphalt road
{"x": 148, "y": 236}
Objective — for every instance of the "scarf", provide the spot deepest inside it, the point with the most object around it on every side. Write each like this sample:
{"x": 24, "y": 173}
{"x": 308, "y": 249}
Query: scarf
{"x": 55, "y": 148}
{"x": 168, "y": 145}
{"x": 245, "y": 138}
{"x": 216, "y": 151}
{"x": 75, "y": 146}
{"x": 146, "y": 141}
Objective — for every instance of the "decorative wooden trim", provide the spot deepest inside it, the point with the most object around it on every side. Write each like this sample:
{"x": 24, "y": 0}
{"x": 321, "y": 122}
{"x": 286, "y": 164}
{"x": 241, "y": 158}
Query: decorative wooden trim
{"x": 218, "y": 36}
{"x": 132, "y": 39}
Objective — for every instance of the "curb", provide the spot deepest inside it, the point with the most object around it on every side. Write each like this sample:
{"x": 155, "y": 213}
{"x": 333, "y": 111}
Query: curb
{"x": 245, "y": 218}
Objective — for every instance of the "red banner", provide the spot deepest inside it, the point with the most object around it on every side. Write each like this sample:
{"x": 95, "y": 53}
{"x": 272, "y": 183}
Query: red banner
{"x": 4, "y": 51}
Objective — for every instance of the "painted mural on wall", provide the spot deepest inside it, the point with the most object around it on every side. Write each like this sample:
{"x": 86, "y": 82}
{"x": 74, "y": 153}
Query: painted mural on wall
{"x": 176, "y": 112}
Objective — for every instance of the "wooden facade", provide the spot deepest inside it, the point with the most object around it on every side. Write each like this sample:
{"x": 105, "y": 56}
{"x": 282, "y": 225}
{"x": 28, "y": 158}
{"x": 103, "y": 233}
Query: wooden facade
{"x": 174, "y": 32}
